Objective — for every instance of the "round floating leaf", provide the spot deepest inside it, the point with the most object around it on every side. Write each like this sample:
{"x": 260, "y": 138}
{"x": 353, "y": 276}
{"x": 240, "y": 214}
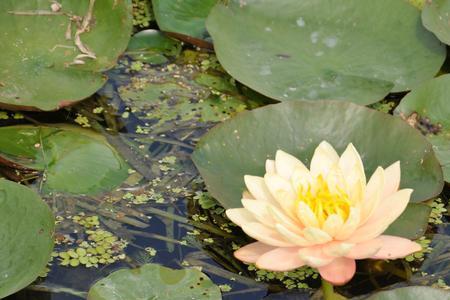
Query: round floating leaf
{"x": 153, "y": 281}
{"x": 353, "y": 50}
{"x": 436, "y": 18}
{"x": 152, "y": 46}
{"x": 412, "y": 292}
{"x": 26, "y": 230}
{"x": 241, "y": 145}
{"x": 72, "y": 159}
{"x": 428, "y": 108}
{"x": 185, "y": 17}
{"x": 44, "y": 65}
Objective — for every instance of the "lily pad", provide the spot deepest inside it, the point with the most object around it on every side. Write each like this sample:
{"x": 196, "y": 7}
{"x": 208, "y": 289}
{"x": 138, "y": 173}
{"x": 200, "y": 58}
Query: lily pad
{"x": 428, "y": 108}
{"x": 185, "y": 17}
{"x": 153, "y": 281}
{"x": 412, "y": 223}
{"x": 436, "y": 18}
{"x": 152, "y": 46}
{"x": 71, "y": 159}
{"x": 320, "y": 49}
{"x": 25, "y": 234}
{"x": 45, "y": 63}
{"x": 241, "y": 145}
{"x": 412, "y": 292}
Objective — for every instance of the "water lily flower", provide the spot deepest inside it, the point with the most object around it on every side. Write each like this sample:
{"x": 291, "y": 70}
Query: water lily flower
{"x": 325, "y": 217}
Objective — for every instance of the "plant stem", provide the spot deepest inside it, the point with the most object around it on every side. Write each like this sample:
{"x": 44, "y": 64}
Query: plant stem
{"x": 327, "y": 289}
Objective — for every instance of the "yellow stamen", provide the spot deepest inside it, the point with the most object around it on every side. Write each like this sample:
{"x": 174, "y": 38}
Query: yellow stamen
{"x": 324, "y": 202}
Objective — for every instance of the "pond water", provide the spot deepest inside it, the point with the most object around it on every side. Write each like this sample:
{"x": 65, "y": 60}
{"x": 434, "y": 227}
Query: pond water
{"x": 162, "y": 214}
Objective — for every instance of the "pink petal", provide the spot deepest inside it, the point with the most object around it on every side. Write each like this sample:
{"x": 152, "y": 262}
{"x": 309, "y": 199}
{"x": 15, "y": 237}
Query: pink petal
{"x": 285, "y": 164}
{"x": 270, "y": 166}
{"x": 239, "y": 216}
{"x": 258, "y": 189}
{"x": 352, "y": 166}
{"x": 246, "y": 195}
{"x": 251, "y": 252}
{"x": 265, "y": 235}
{"x": 336, "y": 249}
{"x": 314, "y": 257}
{"x": 324, "y": 158}
{"x": 365, "y": 249}
{"x": 316, "y": 235}
{"x": 392, "y": 179}
{"x": 395, "y": 247}
{"x": 383, "y": 216}
{"x": 292, "y": 236}
{"x": 260, "y": 211}
{"x": 281, "y": 189}
{"x": 339, "y": 272}
{"x": 350, "y": 225}
{"x": 283, "y": 219}
{"x": 280, "y": 260}
{"x": 333, "y": 225}
{"x": 372, "y": 196}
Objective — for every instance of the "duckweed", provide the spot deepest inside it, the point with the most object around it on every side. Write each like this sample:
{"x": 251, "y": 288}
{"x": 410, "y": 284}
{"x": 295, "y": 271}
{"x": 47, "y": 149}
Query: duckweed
{"x": 291, "y": 280}
{"x": 437, "y": 211}
{"x": 101, "y": 247}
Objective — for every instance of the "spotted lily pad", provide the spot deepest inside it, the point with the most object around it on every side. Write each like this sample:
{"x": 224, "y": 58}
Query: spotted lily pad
{"x": 428, "y": 108}
{"x": 436, "y": 18}
{"x": 26, "y": 229}
{"x": 412, "y": 292}
{"x": 70, "y": 159}
{"x": 321, "y": 49}
{"x": 185, "y": 17}
{"x": 153, "y": 281}
{"x": 53, "y": 54}
{"x": 241, "y": 145}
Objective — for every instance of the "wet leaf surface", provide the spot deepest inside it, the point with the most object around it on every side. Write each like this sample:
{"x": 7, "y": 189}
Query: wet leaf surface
{"x": 313, "y": 50}
{"x": 70, "y": 159}
{"x": 183, "y": 17}
{"x": 436, "y": 18}
{"x": 427, "y": 108}
{"x": 154, "y": 281}
{"x": 50, "y": 59}
{"x": 26, "y": 236}
{"x": 241, "y": 146}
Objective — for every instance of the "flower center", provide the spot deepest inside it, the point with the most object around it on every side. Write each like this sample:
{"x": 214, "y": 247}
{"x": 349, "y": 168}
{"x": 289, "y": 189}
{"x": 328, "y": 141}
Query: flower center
{"x": 324, "y": 201}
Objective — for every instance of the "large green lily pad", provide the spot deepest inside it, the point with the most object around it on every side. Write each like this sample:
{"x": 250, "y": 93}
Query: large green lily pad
{"x": 41, "y": 67}
{"x": 428, "y": 108}
{"x": 153, "y": 281}
{"x": 26, "y": 230}
{"x": 436, "y": 18}
{"x": 71, "y": 159}
{"x": 185, "y": 17}
{"x": 241, "y": 145}
{"x": 353, "y": 50}
{"x": 412, "y": 292}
